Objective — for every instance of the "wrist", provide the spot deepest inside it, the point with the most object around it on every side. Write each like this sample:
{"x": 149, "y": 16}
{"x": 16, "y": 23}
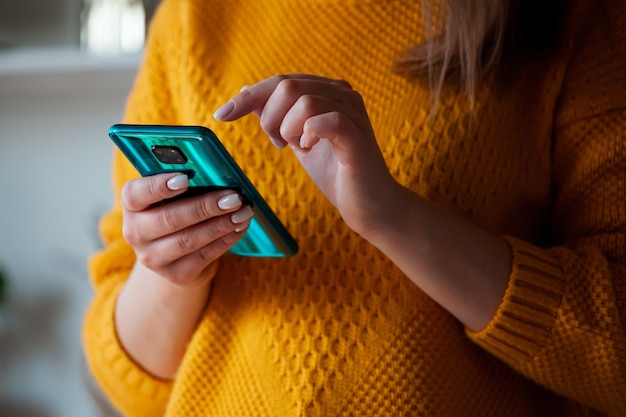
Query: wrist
{"x": 155, "y": 318}
{"x": 167, "y": 292}
{"x": 457, "y": 263}
{"x": 397, "y": 212}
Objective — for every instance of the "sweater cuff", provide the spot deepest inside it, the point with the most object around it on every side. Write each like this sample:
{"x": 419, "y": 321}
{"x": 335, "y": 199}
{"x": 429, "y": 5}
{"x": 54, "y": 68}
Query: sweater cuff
{"x": 525, "y": 319}
{"x": 129, "y": 388}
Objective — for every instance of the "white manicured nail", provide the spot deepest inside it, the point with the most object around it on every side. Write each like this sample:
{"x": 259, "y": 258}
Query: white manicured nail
{"x": 178, "y": 182}
{"x": 224, "y": 110}
{"x": 229, "y": 201}
{"x": 242, "y": 215}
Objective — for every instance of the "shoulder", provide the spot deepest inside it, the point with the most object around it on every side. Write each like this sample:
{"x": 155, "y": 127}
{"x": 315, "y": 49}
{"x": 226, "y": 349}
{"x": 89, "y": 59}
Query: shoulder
{"x": 595, "y": 41}
{"x": 600, "y": 20}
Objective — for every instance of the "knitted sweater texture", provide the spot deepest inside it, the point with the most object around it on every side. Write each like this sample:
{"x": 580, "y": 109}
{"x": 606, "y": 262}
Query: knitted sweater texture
{"x": 338, "y": 330}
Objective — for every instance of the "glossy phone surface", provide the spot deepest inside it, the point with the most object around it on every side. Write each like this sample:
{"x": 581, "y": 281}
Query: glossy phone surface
{"x": 196, "y": 151}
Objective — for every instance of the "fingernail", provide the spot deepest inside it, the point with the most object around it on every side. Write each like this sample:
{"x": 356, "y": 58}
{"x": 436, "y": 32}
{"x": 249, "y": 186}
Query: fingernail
{"x": 241, "y": 228}
{"x": 242, "y": 215}
{"x": 244, "y": 88}
{"x": 224, "y": 110}
{"x": 178, "y": 182}
{"x": 302, "y": 142}
{"x": 229, "y": 202}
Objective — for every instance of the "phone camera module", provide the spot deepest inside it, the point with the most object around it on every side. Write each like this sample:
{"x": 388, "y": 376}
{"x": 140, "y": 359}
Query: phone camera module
{"x": 169, "y": 155}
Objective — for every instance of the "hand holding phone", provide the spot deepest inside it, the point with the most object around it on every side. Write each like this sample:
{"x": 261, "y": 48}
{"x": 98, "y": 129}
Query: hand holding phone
{"x": 179, "y": 240}
{"x": 198, "y": 153}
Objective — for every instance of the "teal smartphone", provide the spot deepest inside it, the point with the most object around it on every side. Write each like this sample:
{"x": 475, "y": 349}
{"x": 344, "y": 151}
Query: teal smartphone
{"x": 197, "y": 152}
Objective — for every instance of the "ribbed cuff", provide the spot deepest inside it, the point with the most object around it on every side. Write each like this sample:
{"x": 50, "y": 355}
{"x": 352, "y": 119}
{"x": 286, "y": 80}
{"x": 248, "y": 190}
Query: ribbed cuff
{"x": 129, "y": 388}
{"x": 525, "y": 319}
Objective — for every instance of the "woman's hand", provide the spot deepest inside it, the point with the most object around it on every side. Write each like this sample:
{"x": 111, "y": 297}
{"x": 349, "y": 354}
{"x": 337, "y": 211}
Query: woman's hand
{"x": 459, "y": 265}
{"x": 326, "y": 123}
{"x": 159, "y": 306}
{"x": 178, "y": 240}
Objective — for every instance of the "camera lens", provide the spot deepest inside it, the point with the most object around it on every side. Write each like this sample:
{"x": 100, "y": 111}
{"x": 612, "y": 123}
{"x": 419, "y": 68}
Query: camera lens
{"x": 169, "y": 155}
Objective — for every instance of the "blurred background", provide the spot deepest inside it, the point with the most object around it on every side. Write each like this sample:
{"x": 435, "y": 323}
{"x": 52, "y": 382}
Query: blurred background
{"x": 66, "y": 67}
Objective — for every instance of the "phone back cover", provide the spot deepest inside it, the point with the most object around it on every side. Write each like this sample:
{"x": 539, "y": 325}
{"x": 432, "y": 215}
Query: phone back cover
{"x": 208, "y": 165}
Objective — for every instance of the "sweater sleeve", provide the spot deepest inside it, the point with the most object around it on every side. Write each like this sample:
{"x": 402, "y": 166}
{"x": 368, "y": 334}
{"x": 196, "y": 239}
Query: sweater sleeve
{"x": 130, "y": 389}
{"x": 562, "y": 322}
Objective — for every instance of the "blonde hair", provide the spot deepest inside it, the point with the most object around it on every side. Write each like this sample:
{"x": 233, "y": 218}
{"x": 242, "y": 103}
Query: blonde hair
{"x": 464, "y": 39}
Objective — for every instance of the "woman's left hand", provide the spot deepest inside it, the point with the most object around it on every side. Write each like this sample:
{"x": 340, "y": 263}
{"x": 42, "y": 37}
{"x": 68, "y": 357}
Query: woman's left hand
{"x": 326, "y": 123}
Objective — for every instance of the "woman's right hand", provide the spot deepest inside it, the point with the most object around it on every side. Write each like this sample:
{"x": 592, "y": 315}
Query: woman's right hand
{"x": 178, "y": 240}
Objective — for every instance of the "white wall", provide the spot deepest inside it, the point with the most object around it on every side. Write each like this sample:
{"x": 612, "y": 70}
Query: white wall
{"x": 54, "y": 184}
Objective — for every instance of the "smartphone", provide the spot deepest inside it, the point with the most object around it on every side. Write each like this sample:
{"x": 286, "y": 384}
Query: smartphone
{"x": 197, "y": 152}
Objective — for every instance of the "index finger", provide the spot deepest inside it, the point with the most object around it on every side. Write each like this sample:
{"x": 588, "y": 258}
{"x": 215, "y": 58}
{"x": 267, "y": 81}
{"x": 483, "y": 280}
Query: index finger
{"x": 252, "y": 99}
{"x": 141, "y": 193}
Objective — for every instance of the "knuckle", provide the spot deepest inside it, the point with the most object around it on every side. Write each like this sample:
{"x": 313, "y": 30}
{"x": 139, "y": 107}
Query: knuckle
{"x": 220, "y": 228}
{"x": 128, "y": 197}
{"x": 268, "y": 125}
{"x": 336, "y": 119}
{"x": 307, "y": 102}
{"x": 137, "y": 194}
{"x": 186, "y": 241}
{"x": 209, "y": 253}
{"x": 203, "y": 209}
{"x": 154, "y": 190}
{"x": 278, "y": 78}
{"x": 149, "y": 260}
{"x": 287, "y": 86}
{"x": 167, "y": 220}
{"x": 130, "y": 233}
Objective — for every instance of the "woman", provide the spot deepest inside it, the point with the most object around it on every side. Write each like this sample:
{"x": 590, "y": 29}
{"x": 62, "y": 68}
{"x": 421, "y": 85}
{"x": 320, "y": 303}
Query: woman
{"x": 459, "y": 208}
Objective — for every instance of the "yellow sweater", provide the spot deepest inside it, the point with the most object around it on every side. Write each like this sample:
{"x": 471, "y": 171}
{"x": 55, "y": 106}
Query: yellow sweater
{"x": 338, "y": 330}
